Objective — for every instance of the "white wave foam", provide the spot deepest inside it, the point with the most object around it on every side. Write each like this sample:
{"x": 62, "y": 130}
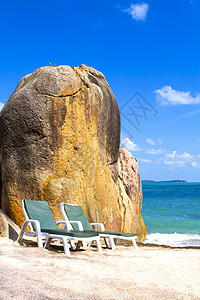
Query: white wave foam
{"x": 173, "y": 240}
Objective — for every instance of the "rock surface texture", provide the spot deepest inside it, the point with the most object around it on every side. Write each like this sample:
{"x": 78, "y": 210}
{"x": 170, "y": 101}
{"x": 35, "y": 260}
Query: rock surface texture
{"x": 130, "y": 192}
{"x": 60, "y": 139}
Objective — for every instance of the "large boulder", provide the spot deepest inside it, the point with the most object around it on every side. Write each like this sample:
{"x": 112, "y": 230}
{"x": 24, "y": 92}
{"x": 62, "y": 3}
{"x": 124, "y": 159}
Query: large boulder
{"x": 60, "y": 138}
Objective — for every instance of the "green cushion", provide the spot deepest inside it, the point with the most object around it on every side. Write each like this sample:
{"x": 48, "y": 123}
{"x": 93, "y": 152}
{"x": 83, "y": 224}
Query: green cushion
{"x": 123, "y": 234}
{"x": 40, "y": 210}
{"x": 75, "y": 213}
{"x": 73, "y": 233}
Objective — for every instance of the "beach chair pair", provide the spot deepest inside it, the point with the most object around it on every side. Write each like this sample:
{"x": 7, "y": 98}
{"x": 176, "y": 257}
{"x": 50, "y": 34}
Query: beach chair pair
{"x": 42, "y": 224}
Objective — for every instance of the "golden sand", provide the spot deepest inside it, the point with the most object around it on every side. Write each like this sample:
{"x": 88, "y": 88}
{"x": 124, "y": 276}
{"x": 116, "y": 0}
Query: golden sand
{"x": 28, "y": 272}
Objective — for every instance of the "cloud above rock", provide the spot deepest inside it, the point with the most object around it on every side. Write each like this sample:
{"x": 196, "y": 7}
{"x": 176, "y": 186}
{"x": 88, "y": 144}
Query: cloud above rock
{"x": 167, "y": 95}
{"x": 138, "y": 11}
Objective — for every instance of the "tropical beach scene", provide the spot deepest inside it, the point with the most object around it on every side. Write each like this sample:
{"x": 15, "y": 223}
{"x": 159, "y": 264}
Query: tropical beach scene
{"x": 99, "y": 149}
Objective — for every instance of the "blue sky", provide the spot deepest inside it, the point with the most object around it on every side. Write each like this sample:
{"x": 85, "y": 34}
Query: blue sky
{"x": 149, "y": 52}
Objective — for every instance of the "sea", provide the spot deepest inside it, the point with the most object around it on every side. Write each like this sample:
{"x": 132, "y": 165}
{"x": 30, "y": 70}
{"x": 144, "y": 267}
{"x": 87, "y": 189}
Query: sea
{"x": 171, "y": 212}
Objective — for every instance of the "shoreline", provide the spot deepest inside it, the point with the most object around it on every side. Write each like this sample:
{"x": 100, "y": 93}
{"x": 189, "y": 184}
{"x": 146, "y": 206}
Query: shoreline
{"x": 151, "y": 272}
{"x": 167, "y": 246}
{"x": 174, "y": 240}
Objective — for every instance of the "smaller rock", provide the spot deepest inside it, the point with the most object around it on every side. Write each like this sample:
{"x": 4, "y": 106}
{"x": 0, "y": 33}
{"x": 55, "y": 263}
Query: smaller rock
{"x": 7, "y": 227}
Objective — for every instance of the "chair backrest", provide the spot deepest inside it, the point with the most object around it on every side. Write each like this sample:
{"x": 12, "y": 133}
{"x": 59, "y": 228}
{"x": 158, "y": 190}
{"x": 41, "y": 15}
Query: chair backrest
{"x": 75, "y": 212}
{"x": 39, "y": 210}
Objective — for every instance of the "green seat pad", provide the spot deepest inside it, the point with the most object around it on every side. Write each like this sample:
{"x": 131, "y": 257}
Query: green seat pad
{"x": 122, "y": 234}
{"x": 40, "y": 210}
{"x": 73, "y": 233}
{"x": 76, "y": 213}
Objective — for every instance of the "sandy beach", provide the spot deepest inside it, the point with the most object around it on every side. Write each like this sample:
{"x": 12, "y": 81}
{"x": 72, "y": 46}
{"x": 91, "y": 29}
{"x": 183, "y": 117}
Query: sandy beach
{"x": 147, "y": 273}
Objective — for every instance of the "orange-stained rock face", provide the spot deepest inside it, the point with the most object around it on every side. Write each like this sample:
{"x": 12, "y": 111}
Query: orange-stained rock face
{"x": 60, "y": 135}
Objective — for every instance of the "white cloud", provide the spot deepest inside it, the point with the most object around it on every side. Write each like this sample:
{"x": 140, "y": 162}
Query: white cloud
{"x": 138, "y": 11}
{"x": 175, "y": 163}
{"x": 178, "y": 160}
{"x": 150, "y": 141}
{"x": 195, "y": 164}
{"x": 184, "y": 155}
{"x": 166, "y": 95}
{"x": 155, "y": 151}
{"x": 147, "y": 161}
{"x": 1, "y": 105}
{"x": 171, "y": 160}
{"x": 154, "y": 142}
{"x": 128, "y": 144}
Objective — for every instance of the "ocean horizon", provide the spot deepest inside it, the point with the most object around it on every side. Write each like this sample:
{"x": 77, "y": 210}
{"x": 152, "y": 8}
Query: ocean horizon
{"x": 171, "y": 212}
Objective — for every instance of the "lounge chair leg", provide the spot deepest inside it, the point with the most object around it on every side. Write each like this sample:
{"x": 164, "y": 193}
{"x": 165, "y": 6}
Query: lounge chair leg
{"x": 73, "y": 245}
{"x": 99, "y": 245}
{"x": 107, "y": 244}
{"x": 20, "y": 236}
{"x": 66, "y": 246}
{"x": 84, "y": 244}
{"x": 134, "y": 243}
{"x": 90, "y": 244}
{"x": 112, "y": 243}
{"x": 48, "y": 241}
{"x": 39, "y": 239}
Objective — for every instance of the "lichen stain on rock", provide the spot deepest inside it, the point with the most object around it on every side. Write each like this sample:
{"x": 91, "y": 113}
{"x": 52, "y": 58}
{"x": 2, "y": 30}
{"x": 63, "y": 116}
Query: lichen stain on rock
{"x": 66, "y": 149}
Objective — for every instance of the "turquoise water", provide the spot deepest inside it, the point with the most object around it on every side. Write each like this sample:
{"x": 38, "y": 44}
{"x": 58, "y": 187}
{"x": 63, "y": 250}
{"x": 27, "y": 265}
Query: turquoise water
{"x": 171, "y": 212}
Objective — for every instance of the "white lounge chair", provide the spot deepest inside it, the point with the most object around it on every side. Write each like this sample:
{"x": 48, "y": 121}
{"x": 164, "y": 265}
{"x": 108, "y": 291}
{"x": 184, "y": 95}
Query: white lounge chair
{"x": 76, "y": 219}
{"x": 42, "y": 224}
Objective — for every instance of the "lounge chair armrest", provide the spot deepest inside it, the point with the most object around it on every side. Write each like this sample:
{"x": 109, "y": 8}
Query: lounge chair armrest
{"x": 37, "y": 229}
{"x": 61, "y": 222}
{"x": 100, "y": 225}
{"x": 80, "y": 226}
{"x": 65, "y": 224}
{"x": 35, "y": 222}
